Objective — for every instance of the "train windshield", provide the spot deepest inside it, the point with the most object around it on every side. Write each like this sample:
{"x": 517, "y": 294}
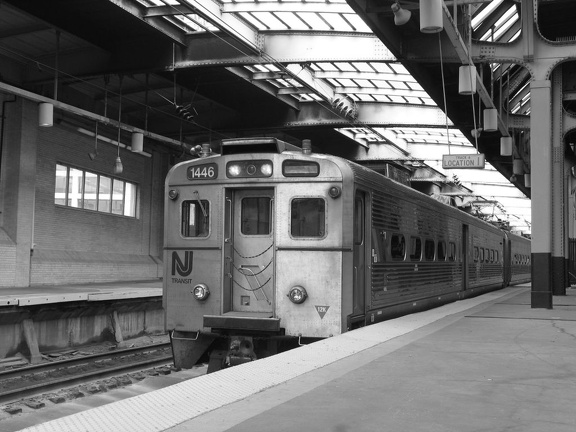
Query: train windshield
{"x": 195, "y": 218}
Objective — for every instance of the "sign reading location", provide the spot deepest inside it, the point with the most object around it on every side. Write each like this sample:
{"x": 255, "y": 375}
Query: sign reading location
{"x": 463, "y": 161}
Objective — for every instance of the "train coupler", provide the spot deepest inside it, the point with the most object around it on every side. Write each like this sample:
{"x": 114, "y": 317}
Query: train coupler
{"x": 240, "y": 350}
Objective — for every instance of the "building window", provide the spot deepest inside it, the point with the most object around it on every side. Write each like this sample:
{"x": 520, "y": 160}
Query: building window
{"x": 91, "y": 191}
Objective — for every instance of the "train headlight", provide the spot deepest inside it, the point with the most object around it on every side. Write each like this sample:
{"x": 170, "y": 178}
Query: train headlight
{"x": 234, "y": 170}
{"x": 266, "y": 169}
{"x": 254, "y": 168}
{"x": 297, "y": 294}
{"x": 201, "y": 292}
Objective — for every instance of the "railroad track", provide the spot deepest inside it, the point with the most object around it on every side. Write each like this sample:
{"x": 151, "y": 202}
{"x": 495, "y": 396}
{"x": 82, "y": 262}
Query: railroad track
{"x": 33, "y": 380}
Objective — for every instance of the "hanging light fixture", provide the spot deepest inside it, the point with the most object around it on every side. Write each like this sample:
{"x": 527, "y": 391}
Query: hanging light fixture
{"x": 527, "y": 180}
{"x": 92, "y": 155}
{"x": 45, "y": 114}
{"x": 490, "y": 119}
{"x": 467, "y": 80}
{"x": 137, "y": 145}
{"x": 431, "y": 20}
{"x": 401, "y": 16}
{"x": 118, "y": 168}
{"x": 506, "y": 144}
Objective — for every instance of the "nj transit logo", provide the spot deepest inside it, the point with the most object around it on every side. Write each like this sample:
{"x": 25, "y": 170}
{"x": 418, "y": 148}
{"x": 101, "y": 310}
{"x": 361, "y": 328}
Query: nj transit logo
{"x": 182, "y": 267}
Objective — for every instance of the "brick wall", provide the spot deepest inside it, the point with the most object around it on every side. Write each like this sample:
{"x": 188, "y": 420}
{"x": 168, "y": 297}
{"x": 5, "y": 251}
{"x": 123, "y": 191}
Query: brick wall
{"x": 74, "y": 245}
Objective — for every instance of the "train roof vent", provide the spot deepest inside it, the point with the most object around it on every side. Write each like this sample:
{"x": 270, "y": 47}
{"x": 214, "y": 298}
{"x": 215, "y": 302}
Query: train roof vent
{"x": 256, "y": 145}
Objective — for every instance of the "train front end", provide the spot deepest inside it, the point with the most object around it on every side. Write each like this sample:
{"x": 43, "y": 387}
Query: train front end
{"x": 255, "y": 252}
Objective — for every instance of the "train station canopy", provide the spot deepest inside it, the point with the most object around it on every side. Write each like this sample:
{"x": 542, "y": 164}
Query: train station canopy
{"x": 186, "y": 72}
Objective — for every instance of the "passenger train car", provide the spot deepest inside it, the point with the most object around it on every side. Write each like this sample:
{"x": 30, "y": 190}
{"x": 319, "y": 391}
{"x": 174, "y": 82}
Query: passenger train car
{"x": 268, "y": 246}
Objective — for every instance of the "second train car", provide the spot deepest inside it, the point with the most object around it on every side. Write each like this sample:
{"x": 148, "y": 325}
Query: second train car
{"x": 268, "y": 245}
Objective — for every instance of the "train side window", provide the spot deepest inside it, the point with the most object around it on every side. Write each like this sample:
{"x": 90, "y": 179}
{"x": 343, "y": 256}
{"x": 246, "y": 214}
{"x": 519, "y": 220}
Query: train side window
{"x": 496, "y": 256}
{"x": 415, "y": 248}
{"x": 476, "y": 254}
{"x": 451, "y": 251}
{"x": 397, "y": 247}
{"x": 429, "y": 250}
{"x": 195, "y": 218}
{"x": 481, "y": 258}
{"x": 256, "y": 217}
{"x": 307, "y": 217}
{"x": 441, "y": 250}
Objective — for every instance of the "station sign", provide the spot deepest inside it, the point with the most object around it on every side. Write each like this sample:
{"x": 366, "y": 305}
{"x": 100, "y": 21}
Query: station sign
{"x": 463, "y": 161}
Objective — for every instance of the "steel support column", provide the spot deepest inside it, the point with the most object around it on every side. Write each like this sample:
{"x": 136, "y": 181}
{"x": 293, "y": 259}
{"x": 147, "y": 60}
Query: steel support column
{"x": 558, "y": 201}
{"x": 541, "y": 169}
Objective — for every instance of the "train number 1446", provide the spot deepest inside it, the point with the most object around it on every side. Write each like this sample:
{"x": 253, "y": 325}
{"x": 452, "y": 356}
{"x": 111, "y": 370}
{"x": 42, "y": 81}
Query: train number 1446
{"x": 202, "y": 172}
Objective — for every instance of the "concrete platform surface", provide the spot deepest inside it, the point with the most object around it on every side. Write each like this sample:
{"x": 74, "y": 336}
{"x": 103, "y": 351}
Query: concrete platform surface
{"x": 44, "y": 294}
{"x": 504, "y": 367}
{"x": 490, "y": 363}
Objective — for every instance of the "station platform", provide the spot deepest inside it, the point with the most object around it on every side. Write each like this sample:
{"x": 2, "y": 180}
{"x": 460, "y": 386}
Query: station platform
{"x": 41, "y": 319}
{"x": 49, "y": 294}
{"x": 489, "y": 363}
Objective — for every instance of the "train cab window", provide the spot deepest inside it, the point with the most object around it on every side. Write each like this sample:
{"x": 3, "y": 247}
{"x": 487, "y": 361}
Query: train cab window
{"x": 451, "y": 251}
{"x": 415, "y": 248}
{"x": 397, "y": 247}
{"x": 308, "y": 217}
{"x": 429, "y": 250}
{"x": 195, "y": 218}
{"x": 256, "y": 216}
{"x": 441, "y": 251}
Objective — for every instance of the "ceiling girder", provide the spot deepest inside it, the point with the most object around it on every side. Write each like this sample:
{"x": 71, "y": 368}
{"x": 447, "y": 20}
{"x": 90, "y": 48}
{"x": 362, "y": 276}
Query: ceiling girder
{"x": 375, "y": 114}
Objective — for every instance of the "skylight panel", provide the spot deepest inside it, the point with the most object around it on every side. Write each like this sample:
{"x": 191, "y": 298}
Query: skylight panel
{"x": 337, "y": 22}
{"x": 257, "y": 22}
{"x": 481, "y": 16}
{"x": 291, "y": 20}
{"x": 347, "y": 82}
{"x": 398, "y": 85}
{"x": 357, "y": 23}
{"x": 327, "y": 67}
{"x": 344, "y": 66}
{"x": 365, "y": 97}
{"x": 398, "y": 68}
{"x": 365, "y": 83}
{"x": 314, "y": 21}
{"x": 363, "y": 67}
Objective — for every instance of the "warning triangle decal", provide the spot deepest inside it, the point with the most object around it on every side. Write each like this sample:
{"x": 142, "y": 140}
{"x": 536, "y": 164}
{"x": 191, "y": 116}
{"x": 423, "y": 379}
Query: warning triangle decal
{"x": 322, "y": 310}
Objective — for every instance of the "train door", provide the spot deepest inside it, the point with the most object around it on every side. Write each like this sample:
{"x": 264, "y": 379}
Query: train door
{"x": 249, "y": 252}
{"x": 361, "y": 264}
{"x": 465, "y": 257}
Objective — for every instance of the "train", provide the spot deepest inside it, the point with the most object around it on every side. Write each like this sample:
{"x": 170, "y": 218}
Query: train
{"x": 269, "y": 246}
